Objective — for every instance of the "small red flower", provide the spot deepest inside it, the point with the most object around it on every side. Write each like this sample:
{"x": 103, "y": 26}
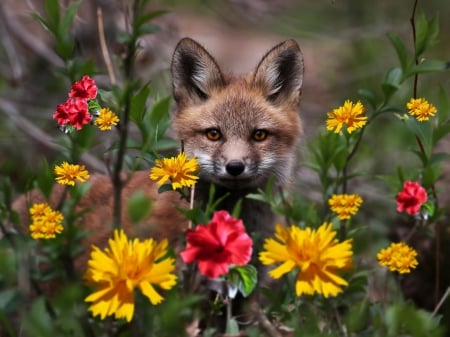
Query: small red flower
{"x": 217, "y": 245}
{"x": 411, "y": 198}
{"x": 84, "y": 89}
{"x": 74, "y": 112}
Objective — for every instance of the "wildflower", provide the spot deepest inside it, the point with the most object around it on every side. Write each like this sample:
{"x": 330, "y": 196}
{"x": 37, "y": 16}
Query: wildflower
{"x": 121, "y": 268}
{"x": 421, "y": 109}
{"x": 351, "y": 115}
{"x": 398, "y": 257}
{"x": 316, "y": 253}
{"x": 180, "y": 170}
{"x": 345, "y": 205}
{"x": 73, "y": 112}
{"x": 67, "y": 173}
{"x": 411, "y": 198}
{"x": 45, "y": 222}
{"x": 84, "y": 89}
{"x": 106, "y": 119}
{"x": 218, "y": 245}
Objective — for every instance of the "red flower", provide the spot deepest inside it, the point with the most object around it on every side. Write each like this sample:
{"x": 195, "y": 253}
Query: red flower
{"x": 217, "y": 245}
{"x": 411, "y": 198}
{"x": 74, "y": 112}
{"x": 84, "y": 89}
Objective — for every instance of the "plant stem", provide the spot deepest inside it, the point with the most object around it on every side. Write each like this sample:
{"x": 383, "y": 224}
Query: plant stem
{"x": 128, "y": 67}
{"x": 422, "y": 150}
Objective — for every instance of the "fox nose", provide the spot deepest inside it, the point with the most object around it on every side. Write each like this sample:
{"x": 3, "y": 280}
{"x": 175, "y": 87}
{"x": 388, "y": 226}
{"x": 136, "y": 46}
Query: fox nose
{"x": 235, "y": 167}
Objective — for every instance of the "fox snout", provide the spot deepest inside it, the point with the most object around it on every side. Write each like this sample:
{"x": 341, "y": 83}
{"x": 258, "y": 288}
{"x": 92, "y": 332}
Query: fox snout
{"x": 235, "y": 167}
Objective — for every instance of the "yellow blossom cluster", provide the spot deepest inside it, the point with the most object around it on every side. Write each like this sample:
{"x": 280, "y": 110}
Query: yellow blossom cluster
{"x": 398, "y": 257}
{"x": 421, "y": 109}
{"x": 45, "y": 222}
{"x": 345, "y": 205}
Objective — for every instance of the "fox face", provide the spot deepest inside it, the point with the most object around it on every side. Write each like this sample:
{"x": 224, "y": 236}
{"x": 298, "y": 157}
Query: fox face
{"x": 245, "y": 129}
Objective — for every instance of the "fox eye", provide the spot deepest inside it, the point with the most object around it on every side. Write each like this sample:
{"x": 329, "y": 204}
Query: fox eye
{"x": 213, "y": 134}
{"x": 259, "y": 135}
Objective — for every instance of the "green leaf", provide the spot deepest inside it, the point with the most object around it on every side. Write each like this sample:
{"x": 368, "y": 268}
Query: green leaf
{"x": 430, "y": 175}
{"x": 138, "y": 103}
{"x": 237, "y": 209}
{"x": 424, "y": 131}
{"x": 141, "y": 20}
{"x": 232, "y": 328}
{"x": 244, "y": 278}
{"x": 37, "y": 322}
{"x": 45, "y": 180}
{"x": 148, "y": 29}
{"x": 402, "y": 52}
{"x": 165, "y": 188}
{"x": 369, "y": 96}
{"x": 139, "y": 206}
{"x": 427, "y": 32}
{"x": 52, "y": 11}
{"x": 68, "y": 17}
{"x": 85, "y": 137}
{"x": 392, "y": 82}
{"x": 357, "y": 317}
{"x": 428, "y": 66}
{"x": 159, "y": 110}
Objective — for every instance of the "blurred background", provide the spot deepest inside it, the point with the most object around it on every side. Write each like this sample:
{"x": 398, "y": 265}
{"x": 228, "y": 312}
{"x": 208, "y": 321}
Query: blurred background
{"x": 344, "y": 44}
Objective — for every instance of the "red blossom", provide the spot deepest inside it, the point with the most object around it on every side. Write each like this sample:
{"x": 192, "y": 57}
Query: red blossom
{"x": 74, "y": 112}
{"x": 84, "y": 89}
{"x": 411, "y": 198}
{"x": 217, "y": 245}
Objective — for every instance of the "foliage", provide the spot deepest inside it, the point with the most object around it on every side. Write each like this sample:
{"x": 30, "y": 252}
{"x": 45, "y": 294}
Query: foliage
{"x": 361, "y": 309}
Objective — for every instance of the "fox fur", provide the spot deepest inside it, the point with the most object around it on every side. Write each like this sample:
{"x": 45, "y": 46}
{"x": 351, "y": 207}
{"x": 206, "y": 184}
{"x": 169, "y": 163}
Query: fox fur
{"x": 242, "y": 129}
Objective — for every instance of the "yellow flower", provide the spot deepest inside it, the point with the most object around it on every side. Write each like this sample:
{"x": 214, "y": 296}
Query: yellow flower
{"x": 106, "y": 119}
{"x": 45, "y": 222}
{"x": 421, "y": 109}
{"x": 317, "y": 255}
{"x": 180, "y": 170}
{"x": 124, "y": 266}
{"x": 67, "y": 173}
{"x": 351, "y": 115}
{"x": 398, "y": 257}
{"x": 345, "y": 205}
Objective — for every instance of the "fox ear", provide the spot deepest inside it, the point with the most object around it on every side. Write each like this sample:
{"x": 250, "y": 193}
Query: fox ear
{"x": 279, "y": 74}
{"x": 195, "y": 73}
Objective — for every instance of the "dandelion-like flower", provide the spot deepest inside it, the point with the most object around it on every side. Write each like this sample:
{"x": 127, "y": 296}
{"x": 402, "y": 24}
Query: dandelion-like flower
{"x": 180, "y": 170}
{"x": 124, "y": 266}
{"x": 316, "y": 253}
{"x": 398, "y": 257}
{"x": 345, "y": 205}
{"x": 351, "y": 115}
{"x": 411, "y": 198}
{"x": 45, "y": 222}
{"x": 218, "y": 245}
{"x": 421, "y": 109}
{"x": 106, "y": 119}
{"x": 67, "y": 173}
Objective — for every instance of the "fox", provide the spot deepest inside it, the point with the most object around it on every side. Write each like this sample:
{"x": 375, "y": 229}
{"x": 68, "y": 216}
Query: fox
{"x": 244, "y": 131}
